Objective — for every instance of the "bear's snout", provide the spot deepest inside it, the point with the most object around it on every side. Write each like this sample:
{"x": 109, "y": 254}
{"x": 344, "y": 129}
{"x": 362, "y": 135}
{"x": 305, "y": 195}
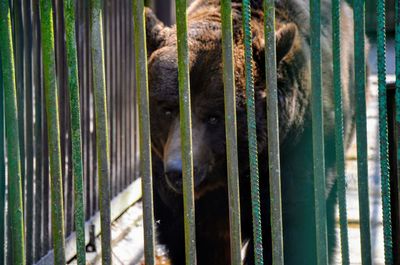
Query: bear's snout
{"x": 173, "y": 175}
{"x": 172, "y": 159}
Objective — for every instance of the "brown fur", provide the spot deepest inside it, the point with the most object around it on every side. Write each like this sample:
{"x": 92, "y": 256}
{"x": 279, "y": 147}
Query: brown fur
{"x": 294, "y": 95}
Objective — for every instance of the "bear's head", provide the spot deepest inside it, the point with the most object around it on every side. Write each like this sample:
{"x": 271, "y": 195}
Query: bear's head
{"x": 207, "y": 94}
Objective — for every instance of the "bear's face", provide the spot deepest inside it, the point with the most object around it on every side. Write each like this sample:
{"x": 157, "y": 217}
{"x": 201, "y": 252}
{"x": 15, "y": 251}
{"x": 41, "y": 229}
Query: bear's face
{"x": 207, "y": 113}
{"x": 207, "y": 99}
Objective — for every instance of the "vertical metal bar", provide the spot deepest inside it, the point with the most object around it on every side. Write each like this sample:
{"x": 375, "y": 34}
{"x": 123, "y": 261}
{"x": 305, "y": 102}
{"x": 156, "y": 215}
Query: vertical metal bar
{"x": 125, "y": 58}
{"x": 101, "y": 129}
{"x": 273, "y": 134}
{"x": 252, "y": 135}
{"x": 318, "y": 134}
{"x": 383, "y": 132}
{"x": 339, "y": 132}
{"x": 231, "y": 132}
{"x": 61, "y": 88}
{"x": 29, "y": 222}
{"x": 109, "y": 80}
{"x": 361, "y": 127}
{"x": 36, "y": 81}
{"x": 2, "y": 174}
{"x": 79, "y": 210}
{"x": 125, "y": 93}
{"x": 51, "y": 96}
{"x": 396, "y": 246}
{"x": 93, "y": 148}
{"x": 186, "y": 132}
{"x": 82, "y": 86}
{"x": 117, "y": 4}
{"x": 393, "y": 158}
{"x": 46, "y": 175}
{"x": 132, "y": 99}
{"x": 14, "y": 166}
{"x": 129, "y": 106}
{"x": 108, "y": 59}
{"x": 135, "y": 130}
{"x": 144, "y": 131}
{"x": 114, "y": 98}
{"x": 9, "y": 250}
{"x": 19, "y": 79}
{"x": 87, "y": 93}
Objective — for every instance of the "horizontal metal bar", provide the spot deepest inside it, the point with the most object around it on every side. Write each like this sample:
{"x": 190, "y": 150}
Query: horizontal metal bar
{"x": 118, "y": 205}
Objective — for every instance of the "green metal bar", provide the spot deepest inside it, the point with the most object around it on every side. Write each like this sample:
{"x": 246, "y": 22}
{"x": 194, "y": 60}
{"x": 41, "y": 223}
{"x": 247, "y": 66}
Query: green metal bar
{"x": 2, "y": 174}
{"x": 339, "y": 132}
{"x": 103, "y": 156}
{"x": 318, "y": 134}
{"x": 397, "y": 51}
{"x": 273, "y": 134}
{"x": 231, "y": 132}
{"x": 18, "y": 36}
{"x": 361, "y": 127}
{"x": 51, "y": 95}
{"x": 72, "y": 62}
{"x": 29, "y": 158}
{"x": 11, "y": 118}
{"x": 36, "y": 74}
{"x": 144, "y": 131}
{"x": 186, "y": 132}
{"x": 383, "y": 132}
{"x": 252, "y": 135}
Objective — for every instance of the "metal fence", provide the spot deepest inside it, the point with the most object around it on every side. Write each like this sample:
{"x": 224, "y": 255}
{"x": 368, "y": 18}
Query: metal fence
{"x": 69, "y": 137}
{"x": 62, "y": 130}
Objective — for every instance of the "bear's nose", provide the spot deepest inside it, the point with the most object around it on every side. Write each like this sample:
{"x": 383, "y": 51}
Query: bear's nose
{"x": 173, "y": 175}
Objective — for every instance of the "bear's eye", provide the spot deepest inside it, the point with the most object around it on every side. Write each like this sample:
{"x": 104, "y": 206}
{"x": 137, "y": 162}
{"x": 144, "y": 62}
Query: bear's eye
{"x": 212, "y": 120}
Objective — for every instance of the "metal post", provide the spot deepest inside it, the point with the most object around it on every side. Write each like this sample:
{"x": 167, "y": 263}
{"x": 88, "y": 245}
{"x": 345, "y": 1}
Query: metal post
{"x": 51, "y": 96}
{"x": 252, "y": 134}
{"x": 231, "y": 132}
{"x": 339, "y": 132}
{"x": 186, "y": 132}
{"x": 361, "y": 127}
{"x": 79, "y": 211}
{"x": 102, "y": 145}
{"x": 11, "y": 117}
{"x": 144, "y": 131}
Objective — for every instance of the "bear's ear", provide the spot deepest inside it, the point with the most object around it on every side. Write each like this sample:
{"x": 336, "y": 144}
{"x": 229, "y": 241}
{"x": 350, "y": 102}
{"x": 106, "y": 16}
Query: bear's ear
{"x": 285, "y": 37}
{"x": 154, "y": 32}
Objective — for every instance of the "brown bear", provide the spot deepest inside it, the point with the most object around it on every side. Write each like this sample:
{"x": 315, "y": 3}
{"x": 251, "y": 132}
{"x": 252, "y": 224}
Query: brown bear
{"x": 209, "y": 150}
